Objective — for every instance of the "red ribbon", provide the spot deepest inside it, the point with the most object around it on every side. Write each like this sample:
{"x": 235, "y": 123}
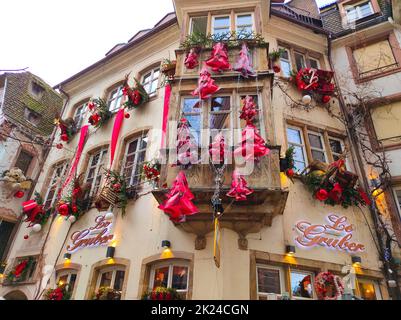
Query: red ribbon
{"x": 166, "y": 108}
{"x": 81, "y": 144}
{"x": 118, "y": 121}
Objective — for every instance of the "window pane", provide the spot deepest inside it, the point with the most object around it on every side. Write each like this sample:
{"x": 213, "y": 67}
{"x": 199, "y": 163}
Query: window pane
{"x": 144, "y": 143}
{"x": 367, "y": 290}
{"x": 314, "y": 63}
{"x": 318, "y": 155}
{"x": 299, "y": 157}
{"x": 285, "y": 55}
{"x": 221, "y": 104}
{"x": 105, "y": 280}
{"x": 294, "y": 136}
{"x": 132, "y": 146}
{"x": 180, "y": 278}
{"x": 161, "y": 277}
{"x": 6, "y": 229}
{"x": 301, "y": 285}
{"x": 192, "y": 105}
{"x": 299, "y": 61}
{"x": 269, "y": 281}
{"x": 153, "y": 86}
{"x": 194, "y": 127}
{"x": 220, "y": 121}
{"x": 73, "y": 278}
{"x": 315, "y": 141}
{"x": 245, "y": 19}
{"x": 286, "y": 68}
{"x": 398, "y": 195}
{"x": 199, "y": 25}
{"x": 119, "y": 280}
{"x": 335, "y": 146}
{"x": 23, "y": 161}
{"x": 222, "y": 22}
{"x": 62, "y": 280}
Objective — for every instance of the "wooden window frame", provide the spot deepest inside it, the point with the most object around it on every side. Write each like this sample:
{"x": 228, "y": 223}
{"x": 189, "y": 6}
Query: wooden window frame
{"x": 80, "y": 106}
{"x": 375, "y": 283}
{"x": 303, "y": 145}
{"x": 170, "y": 265}
{"x": 97, "y": 172}
{"x": 151, "y": 71}
{"x": 230, "y": 20}
{"x": 113, "y": 269}
{"x": 252, "y": 14}
{"x": 210, "y": 113}
{"x": 281, "y": 278}
{"x": 57, "y": 186}
{"x": 119, "y": 86}
{"x": 68, "y": 272}
{"x": 324, "y": 145}
{"x": 308, "y": 272}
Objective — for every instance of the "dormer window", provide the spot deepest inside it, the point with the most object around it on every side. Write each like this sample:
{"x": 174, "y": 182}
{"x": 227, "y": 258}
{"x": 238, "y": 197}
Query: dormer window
{"x": 32, "y": 116}
{"x": 37, "y": 89}
{"x": 359, "y": 10}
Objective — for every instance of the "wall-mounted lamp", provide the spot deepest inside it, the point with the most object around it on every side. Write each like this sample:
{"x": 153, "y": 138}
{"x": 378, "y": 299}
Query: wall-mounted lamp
{"x": 167, "y": 253}
{"x": 290, "y": 250}
{"x": 217, "y": 206}
{"x": 67, "y": 256}
{"x": 110, "y": 252}
{"x": 356, "y": 260}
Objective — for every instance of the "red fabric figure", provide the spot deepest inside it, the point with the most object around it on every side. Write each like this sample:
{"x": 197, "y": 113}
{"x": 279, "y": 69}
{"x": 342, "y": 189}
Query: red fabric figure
{"x": 248, "y": 112}
{"x": 253, "y": 147}
{"x": 191, "y": 60}
{"x": 243, "y": 64}
{"x": 187, "y": 148}
{"x": 206, "y": 86}
{"x": 218, "y": 149}
{"x": 219, "y": 59}
{"x": 179, "y": 200}
{"x": 239, "y": 187}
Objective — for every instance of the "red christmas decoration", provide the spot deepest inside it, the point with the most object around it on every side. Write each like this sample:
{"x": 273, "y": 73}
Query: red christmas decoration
{"x": 59, "y": 146}
{"x": 179, "y": 200}
{"x": 206, "y": 86}
{"x": 218, "y": 149}
{"x": 364, "y": 196}
{"x": 127, "y": 116}
{"x": 63, "y": 209}
{"x": 56, "y": 294}
{"x": 328, "y": 286}
{"x": 290, "y": 173}
{"x": 326, "y": 99}
{"x": 33, "y": 212}
{"x": 336, "y": 193}
{"x": 26, "y": 237}
{"x": 19, "y": 194}
{"x": 187, "y": 148}
{"x": 276, "y": 69}
{"x": 253, "y": 147}
{"x": 64, "y": 137}
{"x": 191, "y": 60}
{"x": 248, "y": 111}
{"x": 219, "y": 59}
{"x": 20, "y": 268}
{"x": 239, "y": 187}
{"x": 243, "y": 64}
{"x": 94, "y": 119}
{"x": 322, "y": 195}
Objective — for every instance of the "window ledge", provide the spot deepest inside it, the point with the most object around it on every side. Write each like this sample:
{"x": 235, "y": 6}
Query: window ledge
{"x": 377, "y": 75}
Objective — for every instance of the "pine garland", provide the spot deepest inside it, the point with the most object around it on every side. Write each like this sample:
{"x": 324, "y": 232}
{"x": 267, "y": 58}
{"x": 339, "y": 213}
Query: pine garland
{"x": 137, "y": 95}
{"x": 100, "y": 112}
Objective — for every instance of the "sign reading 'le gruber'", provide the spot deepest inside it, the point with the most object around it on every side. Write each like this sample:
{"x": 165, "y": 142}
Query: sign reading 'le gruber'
{"x": 94, "y": 236}
{"x": 337, "y": 234}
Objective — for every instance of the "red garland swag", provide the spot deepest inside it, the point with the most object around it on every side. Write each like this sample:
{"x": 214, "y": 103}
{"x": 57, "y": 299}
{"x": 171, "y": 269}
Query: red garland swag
{"x": 206, "y": 86}
{"x": 219, "y": 58}
{"x": 179, "y": 200}
{"x": 239, "y": 187}
{"x": 243, "y": 64}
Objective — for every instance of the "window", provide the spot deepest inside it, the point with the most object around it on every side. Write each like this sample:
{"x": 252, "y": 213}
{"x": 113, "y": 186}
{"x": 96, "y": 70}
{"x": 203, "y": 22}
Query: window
{"x": 37, "y": 89}
{"x": 386, "y": 122}
{"x": 115, "y": 99}
{"x": 192, "y": 111}
{"x": 397, "y": 193}
{"x": 244, "y": 23}
{"x": 258, "y": 120}
{"x": 317, "y": 146}
{"x": 54, "y": 185}
{"x": 314, "y": 63}
{"x": 111, "y": 278}
{"x": 270, "y": 280}
{"x": 374, "y": 58}
{"x": 295, "y": 139}
{"x": 170, "y": 275}
{"x": 220, "y": 118}
{"x": 285, "y": 63}
{"x": 301, "y": 284}
{"x": 24, "y": 161}
{"x": 6, "y": 230}
{"x": 150, "y": 81}
{"x": 368, "y": 290}
{"x": 359, "y": 10}
{"x": 94, "y": 175}
{"x": 198, "y": 25}
{"x": 134, "y": 158}
{"x": 336, "y": 147}
{"x": 32, "y": 116}
{"x": 221, "y": 25}
{"x": 299, "y": 60}
{"x": 80, "y": 115}
{"x": 67, "y": 277}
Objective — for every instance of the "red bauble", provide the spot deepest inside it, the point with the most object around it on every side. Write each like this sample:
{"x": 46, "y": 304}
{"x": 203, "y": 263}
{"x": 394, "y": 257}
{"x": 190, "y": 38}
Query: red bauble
{"x": 326, "y": 99}
{"x": 290, "y": 173}
{"x": 322, "y": 195}
{"x": 59, "y": 146}
{"x": 63, "y": 209}
{"x": 91, "y": 106}
{"x": 19, "y": 194}
{"x": 127, "y": 116}
{"x": 336, "y": 193}
{"x": 117, "y": 187}
{"x": 74, "y": 209}
{"x": 64, "y": 137}
{"x": 276, "y": 69}
{"x": 26, "y": 237}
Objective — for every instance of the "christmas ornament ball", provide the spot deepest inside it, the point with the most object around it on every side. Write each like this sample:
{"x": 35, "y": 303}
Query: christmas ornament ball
{"x": 127, "y": 116}
{"x": 306, "y": 99}
{"x": 72, "y": 219}
{"x": 26, "y": 237}
{"x": 36, "y": 227}
{"x": 109, "y": 216}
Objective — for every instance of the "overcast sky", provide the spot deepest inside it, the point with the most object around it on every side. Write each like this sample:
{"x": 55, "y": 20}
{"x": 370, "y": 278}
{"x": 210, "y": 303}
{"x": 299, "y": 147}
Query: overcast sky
{"x": 56, "y": 39}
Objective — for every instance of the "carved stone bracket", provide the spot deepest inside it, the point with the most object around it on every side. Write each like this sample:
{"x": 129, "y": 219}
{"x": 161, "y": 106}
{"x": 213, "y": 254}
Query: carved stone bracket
{"x": 200, "y": 242}
{"x": 242, "y": 242}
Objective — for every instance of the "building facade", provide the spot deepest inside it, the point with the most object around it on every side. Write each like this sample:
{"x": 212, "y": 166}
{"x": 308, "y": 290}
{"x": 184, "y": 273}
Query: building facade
{"x": 272, "y": 245}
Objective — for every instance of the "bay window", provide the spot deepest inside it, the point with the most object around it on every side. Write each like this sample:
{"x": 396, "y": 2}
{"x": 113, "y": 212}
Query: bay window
{"x": 135, "y": 152}
{"x": 192, "y": 111}
{"x": 115, "y": 99}
{"x": 94, "y": 172}
{"x": 54, "y": 185}
{"x": 220, "y": 120}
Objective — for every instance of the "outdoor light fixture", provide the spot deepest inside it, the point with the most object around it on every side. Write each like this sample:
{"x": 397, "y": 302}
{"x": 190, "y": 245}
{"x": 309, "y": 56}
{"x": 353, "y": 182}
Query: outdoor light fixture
{"x": 110, "y": 252}
{"x": 217, "y": 206}
{"x": 167, "y": 253}
{"x": 290, "y": 250}
{"x": 67, "y": 256}
{"x": 356, "y": 260}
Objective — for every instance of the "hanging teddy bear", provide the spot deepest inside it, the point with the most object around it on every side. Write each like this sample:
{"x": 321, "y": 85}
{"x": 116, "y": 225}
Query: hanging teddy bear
{"x": 16, "y": 181}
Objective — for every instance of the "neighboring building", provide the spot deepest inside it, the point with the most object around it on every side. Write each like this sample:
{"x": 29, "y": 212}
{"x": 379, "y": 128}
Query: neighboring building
{"x": 27, "y": 109}
{"x": 258, "y": 236}
{"x": 366, "y": 55}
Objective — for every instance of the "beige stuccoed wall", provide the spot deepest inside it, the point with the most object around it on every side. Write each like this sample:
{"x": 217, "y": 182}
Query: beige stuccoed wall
{"x": 140, "y": 232}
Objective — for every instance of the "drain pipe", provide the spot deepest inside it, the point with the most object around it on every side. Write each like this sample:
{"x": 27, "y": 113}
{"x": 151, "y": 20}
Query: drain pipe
{"x": 394, "y": 292}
